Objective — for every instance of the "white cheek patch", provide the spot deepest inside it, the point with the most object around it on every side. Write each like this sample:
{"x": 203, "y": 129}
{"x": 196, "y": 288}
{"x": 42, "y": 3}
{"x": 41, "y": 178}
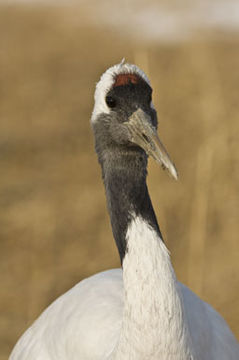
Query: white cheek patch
{"x": 107, "y": 81}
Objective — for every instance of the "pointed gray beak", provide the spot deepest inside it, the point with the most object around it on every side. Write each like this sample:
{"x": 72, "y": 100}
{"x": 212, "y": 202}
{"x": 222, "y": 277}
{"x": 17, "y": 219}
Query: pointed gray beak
{"x": 145, "y": 135}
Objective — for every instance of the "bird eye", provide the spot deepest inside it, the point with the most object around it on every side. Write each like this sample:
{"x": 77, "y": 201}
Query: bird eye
{"x": 110, "y": 101}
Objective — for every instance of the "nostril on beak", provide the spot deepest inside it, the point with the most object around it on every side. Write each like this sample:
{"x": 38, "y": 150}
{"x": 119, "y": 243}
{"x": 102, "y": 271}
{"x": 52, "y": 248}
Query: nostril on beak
{"x": 146, "y": 138}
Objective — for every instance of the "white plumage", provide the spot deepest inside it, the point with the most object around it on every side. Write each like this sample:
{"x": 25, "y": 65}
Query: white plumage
{"x": 138, "y": 313}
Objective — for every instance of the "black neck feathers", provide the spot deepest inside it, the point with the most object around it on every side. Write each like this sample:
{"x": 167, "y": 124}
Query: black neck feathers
{"x": 124, "y": 172}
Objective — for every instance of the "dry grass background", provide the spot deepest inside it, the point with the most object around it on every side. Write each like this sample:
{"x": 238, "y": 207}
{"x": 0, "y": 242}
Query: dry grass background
{"x": 54, "y": 227}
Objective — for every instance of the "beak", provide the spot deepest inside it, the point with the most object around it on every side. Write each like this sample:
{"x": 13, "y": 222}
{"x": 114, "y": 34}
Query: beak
{"x": 145, "y": 135}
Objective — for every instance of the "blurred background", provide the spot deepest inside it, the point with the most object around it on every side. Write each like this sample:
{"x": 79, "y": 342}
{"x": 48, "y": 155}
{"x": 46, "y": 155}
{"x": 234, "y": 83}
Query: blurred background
{"x": 54, "y": 226}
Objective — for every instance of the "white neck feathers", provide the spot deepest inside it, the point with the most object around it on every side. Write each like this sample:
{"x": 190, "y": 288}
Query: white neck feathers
{"x": 153, "y": 325}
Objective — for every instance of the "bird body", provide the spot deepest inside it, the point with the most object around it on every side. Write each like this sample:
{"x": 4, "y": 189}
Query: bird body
{"x": 73, "y": 329}
{"x": 141, "y": 311}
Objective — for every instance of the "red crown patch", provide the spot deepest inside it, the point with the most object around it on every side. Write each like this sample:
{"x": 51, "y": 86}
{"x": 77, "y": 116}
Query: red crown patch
{"x": 124, "y": 79}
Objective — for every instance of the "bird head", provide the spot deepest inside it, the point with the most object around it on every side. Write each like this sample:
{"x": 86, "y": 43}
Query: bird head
{"x": 124, "y": 115}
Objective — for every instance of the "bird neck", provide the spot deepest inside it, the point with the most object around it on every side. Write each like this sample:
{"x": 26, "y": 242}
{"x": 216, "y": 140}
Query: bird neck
{"x": 153, "y": 320}
{"x": 127, "y": 194}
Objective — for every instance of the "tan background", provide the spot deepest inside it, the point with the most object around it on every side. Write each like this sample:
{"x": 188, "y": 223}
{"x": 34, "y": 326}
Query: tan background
{"x": 54, "y": 227}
